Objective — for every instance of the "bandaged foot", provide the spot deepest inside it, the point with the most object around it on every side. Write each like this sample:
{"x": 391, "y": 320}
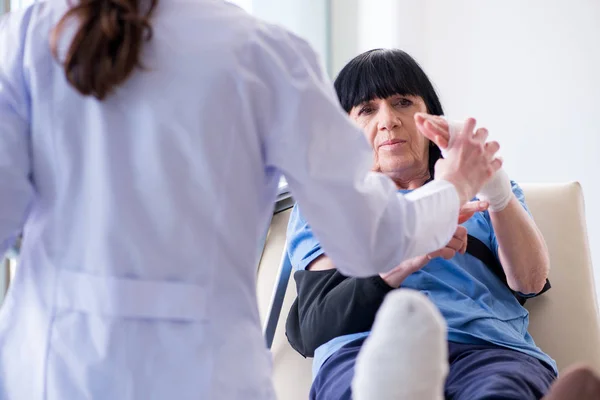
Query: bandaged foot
{"x": 498, "y": 190}
{"x": 406, "y": 355}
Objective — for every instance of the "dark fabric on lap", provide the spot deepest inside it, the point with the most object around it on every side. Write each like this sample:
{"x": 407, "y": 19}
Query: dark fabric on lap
{"x": 495, "y": 373}
{"x": 333, "y": 382}
{"x": 476, "y": 373}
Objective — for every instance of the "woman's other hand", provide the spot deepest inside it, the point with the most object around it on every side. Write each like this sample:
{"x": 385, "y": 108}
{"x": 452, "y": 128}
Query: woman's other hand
{"x": 458, "y": 243}
{"x": 469, "y": 209}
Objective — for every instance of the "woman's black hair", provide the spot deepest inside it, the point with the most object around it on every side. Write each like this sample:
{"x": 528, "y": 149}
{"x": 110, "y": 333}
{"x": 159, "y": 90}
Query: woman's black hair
{"x": 381, "y": 73}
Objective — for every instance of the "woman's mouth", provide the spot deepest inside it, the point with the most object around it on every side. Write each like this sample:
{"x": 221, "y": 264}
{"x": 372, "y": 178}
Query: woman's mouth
{"x": 392, "y": 143}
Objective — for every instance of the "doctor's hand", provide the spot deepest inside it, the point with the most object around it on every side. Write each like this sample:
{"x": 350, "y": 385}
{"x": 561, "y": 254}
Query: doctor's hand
{"x": 470, "y": 161}
{"x": 458, "y": 243}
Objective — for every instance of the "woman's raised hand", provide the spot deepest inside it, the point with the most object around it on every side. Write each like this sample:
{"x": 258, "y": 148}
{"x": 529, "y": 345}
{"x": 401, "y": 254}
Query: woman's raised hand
{"x": 470, "y": 160}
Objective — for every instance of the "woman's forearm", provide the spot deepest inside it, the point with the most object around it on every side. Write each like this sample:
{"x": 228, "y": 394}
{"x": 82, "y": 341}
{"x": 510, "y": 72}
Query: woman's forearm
{"x": 522, "y": 248}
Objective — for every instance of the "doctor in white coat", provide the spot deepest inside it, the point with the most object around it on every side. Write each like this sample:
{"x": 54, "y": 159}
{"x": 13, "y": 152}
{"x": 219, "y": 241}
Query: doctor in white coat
{"x": 141, "y": 145}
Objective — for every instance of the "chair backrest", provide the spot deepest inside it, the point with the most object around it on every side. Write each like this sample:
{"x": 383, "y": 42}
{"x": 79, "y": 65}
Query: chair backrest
{"x": 292, "y": 373}
{"x": 564, "y": 321}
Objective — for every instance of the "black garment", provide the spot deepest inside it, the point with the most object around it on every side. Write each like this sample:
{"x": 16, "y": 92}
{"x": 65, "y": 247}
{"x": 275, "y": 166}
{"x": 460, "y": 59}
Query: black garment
{"x": 330, "y": 304}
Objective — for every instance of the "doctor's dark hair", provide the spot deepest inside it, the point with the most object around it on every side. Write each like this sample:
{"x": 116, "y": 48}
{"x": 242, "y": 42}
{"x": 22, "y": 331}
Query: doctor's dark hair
{"x": 381, "y": 73}
{"x": 106, "y": 47}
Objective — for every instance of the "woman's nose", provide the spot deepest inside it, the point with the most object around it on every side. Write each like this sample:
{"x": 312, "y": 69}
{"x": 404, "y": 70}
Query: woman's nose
{"x": 388, "y": 120}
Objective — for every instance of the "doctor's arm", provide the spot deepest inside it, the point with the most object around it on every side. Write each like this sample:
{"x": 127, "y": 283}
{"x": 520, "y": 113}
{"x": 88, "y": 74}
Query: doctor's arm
{"x": 329, "y": 304}
{"x": 16, "y": 190}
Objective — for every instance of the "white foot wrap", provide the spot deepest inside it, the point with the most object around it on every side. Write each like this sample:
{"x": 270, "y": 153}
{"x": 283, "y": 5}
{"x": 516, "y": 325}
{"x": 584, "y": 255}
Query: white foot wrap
{"x": 406, "y": 355}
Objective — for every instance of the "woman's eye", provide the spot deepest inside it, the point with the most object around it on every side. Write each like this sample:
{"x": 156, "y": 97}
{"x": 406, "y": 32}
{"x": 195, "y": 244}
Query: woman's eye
{"x": 365, "y": 110}
{"x": 402, "y": 102}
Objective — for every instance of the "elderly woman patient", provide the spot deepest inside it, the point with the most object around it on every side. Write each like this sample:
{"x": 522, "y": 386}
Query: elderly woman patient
{"x": 478, "y": 282}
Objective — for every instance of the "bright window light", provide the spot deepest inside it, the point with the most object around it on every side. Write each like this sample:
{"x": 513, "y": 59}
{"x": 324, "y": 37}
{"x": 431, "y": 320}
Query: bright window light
{"x": 283, "y": 186}
{"x": 245, "y": 4}
{"x": 16, "y": 4}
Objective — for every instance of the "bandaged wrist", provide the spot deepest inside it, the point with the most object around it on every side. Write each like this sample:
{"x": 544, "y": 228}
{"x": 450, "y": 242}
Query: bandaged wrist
{"x": 497, "y": 192}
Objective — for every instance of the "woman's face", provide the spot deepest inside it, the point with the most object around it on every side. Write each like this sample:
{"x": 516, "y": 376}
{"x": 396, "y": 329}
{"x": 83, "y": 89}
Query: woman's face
{"x": 401, "y": 152}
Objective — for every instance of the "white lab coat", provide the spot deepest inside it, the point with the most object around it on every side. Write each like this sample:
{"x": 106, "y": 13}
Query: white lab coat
{"x": 141, "y": 214}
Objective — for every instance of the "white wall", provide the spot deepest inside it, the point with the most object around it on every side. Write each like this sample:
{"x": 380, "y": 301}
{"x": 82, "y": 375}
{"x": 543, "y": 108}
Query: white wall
{"x": 528, "y": 70}
{"x": 361, "y": 25}
{"x": 306, "y": 18}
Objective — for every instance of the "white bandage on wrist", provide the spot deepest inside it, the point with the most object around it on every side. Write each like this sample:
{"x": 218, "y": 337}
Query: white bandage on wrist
{"x": 497, "y": 192}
